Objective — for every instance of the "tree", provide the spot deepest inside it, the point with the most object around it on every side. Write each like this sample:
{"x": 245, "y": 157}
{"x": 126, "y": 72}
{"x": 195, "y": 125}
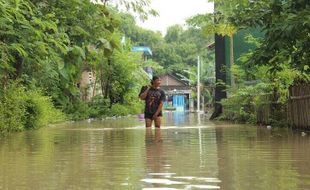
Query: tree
{"x": 216, "y": 24}
{"x": 285, "y": 32}
{"x": 174, "y": 34}
{"x": 212, "y": 24}
{"x": 140, "y": 7}
{"x": 47, "y": 44}
{"x": 27, "y": 40}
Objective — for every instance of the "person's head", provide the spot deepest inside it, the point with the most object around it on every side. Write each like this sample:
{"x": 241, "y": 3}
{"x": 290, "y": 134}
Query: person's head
{"x": 155, "y": 81}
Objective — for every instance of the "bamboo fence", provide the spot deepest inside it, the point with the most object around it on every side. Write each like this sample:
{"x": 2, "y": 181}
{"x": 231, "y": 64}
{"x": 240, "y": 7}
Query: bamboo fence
{"x": 299, "y": 107}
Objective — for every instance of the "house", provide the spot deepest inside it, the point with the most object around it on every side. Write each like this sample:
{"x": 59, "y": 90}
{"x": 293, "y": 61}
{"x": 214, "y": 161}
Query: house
{"x": 178, "y": 93}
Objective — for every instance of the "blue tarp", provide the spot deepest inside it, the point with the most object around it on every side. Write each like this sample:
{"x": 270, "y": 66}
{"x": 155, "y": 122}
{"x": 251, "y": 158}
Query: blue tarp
{"x": 146, "y": 50}
{"x": 179, "y": 102}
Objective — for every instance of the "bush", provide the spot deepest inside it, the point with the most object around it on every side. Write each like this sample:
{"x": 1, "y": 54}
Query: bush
{"x": 239, "y": 108}
{"x": 21, "y": 109}
{"x": 243, "y": 105}
{"x": 136, "y": 108}
{"x": 79, "y": 111}
{"x": 12, "y": 109}
{"x": 40, "y": 111}
{"x": 255, "y": 104}
{"x": 99, "y": 106}
{"x": 123, "y": 110}
{"x": 119, "y": 110}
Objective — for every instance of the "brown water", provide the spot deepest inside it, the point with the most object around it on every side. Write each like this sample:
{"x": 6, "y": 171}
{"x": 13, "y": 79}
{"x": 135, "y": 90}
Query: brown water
{"x": 189, "y": 152}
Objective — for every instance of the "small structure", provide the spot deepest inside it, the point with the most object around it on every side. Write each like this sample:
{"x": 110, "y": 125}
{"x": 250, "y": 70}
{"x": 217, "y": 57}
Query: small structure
{"x": 147, "y": 52}
{"x": 144, "y": 49}
{"x": 87, "y": 84}
{"x": 178, "y": 93}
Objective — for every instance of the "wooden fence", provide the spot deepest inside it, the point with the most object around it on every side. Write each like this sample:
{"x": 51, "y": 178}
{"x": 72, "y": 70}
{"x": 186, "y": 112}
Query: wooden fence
{"x": 263, "y": 111}
{"x": 299, "y": 107}
{"x": 270, "y": 110}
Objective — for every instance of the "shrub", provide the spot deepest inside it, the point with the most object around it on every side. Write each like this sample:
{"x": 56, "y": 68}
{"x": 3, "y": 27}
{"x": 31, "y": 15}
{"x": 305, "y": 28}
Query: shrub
{"x": 239, "y": 108}
{"x": 79, "y": 111}
{"x": 123, "y": 110}
{"x": 136, "y": 108}
{"x": 99, "y": 106}
{"x": 243, "y": 105}
{"x": 40, "y": 111}
{"x": 119, "y": 110}
{"x": 256, "y": 104}
{"x": 21, "y": 109}
{"x": 12, "y": 109}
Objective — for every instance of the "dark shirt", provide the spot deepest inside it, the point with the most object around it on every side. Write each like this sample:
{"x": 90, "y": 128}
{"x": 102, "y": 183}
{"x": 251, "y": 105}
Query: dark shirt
{"x": 153, "y": 99}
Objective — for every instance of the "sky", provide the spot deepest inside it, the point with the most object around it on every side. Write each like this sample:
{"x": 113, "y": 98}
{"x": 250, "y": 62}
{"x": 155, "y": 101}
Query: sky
{"x": 173, "y": 12}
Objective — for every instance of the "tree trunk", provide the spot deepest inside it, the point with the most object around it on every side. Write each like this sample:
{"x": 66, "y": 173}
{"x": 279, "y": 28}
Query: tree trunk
{"x": 108, "y": 85}
{"x": 107, "y": 88}
{"x": 102, "y": 82}
{"x": 220, "y": 71}
{"x": 232, "y": 78}
{"x": 220, "y": 75}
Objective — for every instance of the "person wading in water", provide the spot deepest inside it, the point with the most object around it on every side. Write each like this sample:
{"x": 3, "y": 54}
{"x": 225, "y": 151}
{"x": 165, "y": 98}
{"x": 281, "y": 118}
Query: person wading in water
{"x": 154, "y": 100}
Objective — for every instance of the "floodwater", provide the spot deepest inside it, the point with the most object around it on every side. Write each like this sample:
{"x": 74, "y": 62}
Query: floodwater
{"x": 188, "y": 152}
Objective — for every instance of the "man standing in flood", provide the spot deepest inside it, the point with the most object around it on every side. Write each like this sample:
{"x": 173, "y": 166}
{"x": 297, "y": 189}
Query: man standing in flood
{"x": 154, "y": 100}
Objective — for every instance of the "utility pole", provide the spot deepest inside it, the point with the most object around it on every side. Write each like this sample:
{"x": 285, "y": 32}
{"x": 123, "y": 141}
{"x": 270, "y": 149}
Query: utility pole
{"x": 198, "y": 85}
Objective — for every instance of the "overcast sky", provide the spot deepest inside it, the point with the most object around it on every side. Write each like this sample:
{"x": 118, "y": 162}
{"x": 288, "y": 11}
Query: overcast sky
{"x": 174, "y": 12}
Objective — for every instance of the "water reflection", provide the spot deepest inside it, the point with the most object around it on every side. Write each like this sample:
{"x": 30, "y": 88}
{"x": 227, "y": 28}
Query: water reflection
{"x": 179, "y": 119}
{"x": 256, "y": 154}
{"x": 155, "y": 158}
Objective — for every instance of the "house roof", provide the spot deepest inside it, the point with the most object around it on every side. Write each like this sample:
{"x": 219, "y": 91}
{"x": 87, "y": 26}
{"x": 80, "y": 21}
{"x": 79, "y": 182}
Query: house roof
{"x": 171, "y": 80}
{"x": 146, "y": 50}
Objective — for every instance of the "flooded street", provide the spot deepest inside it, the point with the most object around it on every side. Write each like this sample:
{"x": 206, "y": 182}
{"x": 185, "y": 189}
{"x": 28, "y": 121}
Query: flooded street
{"x": 188, "y": 152}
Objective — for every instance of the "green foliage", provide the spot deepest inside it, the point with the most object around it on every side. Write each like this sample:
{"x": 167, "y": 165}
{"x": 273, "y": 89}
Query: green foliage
{"x": 176, "y": 51}
{"x": 12, "y": 109}
{"x": 124, "y": 110}
{"x": 269, "y": 95}
{"x": 140, "y": 7}
{"x": 27, "y": 39}
{"x": 40, "y": 111}
{"x": 174, "y": 34}
{"x": 47, "y": 45}
{"x": 279, "y": 60}
{"x": 285, "y": 32}
{"x": 79, "y": 111}
{"x": 242, "y": 106}
{"x": 118, "y": 109}
{"x": 99, "y": 107}
{"x": 21, "y": 109}
{"x": 138, "y": 35}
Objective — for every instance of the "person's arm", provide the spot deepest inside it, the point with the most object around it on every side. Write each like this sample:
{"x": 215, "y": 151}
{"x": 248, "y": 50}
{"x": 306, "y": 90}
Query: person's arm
{"x": 143, "y": 95}
{"x": 160, "y": 107}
